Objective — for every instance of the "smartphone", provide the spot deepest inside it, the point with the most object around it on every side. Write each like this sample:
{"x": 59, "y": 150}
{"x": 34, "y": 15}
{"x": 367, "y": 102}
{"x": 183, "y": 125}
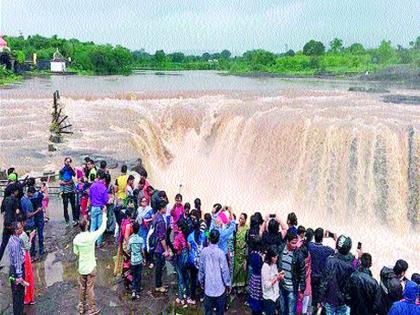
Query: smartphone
{"x": 359, "y": 245}
{"x": 330, "y": 234}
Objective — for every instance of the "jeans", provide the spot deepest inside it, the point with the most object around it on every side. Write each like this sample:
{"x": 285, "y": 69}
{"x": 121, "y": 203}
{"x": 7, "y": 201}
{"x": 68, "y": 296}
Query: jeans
{"x": 110, "y": 225}
{"x": 160, "y": 263}
{"x": 136, "y": 273}
{"x": 269, "y": 307}
{"x": 4, "y": 241}
{"x": 214, "y": 302}
{"x": 288, "y": 301}
{"x": 95, "y": 222}
{"x": 316, "y": 283}
{"x": 193, "y": 282}
{"x": 182, "y": 273}
{"x": 337, "y": 310}
{"x": 66, "y": 198}
{"x": 39, "y": 226}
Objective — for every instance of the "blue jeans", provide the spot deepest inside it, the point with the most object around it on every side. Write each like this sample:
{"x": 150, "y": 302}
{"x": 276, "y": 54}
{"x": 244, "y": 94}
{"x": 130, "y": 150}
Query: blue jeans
{"x": 136, "y": 273}
{"x": 39, "y": 226}
{"x": 160, "y": 263}
{"x": 110, "y": 224}
{"x": 287, "y": 301}
{"x": 269, "y": 307}
{"x": 95, "y": 222}
{"x": 214, "y": 302}
{"x": 336, "y": 310}
{"x": 183, "y": 279}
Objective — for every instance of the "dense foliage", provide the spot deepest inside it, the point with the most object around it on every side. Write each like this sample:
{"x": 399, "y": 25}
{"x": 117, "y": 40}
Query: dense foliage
{"x": 85, "y": 56}
{"x": 314, "y": 58}
{"x": 338, "y": 59}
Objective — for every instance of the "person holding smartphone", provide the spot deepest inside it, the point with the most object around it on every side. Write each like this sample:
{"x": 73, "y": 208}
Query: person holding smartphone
{"x": 319, "y": 254}
{"x": 270, "y": 281}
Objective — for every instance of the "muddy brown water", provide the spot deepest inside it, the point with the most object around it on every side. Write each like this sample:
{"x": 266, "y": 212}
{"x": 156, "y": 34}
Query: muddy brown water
{"x": 346, "y": 161}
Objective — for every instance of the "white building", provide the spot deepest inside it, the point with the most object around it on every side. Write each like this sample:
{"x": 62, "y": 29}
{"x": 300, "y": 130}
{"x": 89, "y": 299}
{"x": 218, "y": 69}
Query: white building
{"x": 58, "y": 63}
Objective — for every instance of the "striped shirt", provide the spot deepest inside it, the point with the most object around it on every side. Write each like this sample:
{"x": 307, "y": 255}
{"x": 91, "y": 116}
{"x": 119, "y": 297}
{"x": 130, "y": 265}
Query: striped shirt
{"x": 286, "y": 266}
{"x": 16, "y": 256}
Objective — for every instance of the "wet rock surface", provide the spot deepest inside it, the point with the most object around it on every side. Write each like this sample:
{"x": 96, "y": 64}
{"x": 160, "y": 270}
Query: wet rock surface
{"x": 56, "y": 280}
{"x": 402, "y": 99}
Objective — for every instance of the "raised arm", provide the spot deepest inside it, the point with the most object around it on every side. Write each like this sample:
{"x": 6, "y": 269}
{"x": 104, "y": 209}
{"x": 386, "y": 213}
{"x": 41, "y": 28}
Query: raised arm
{"x": 102, "y": 228}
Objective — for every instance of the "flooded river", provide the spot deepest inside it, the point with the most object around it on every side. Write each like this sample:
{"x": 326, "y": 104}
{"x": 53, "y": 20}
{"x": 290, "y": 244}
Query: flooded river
{"x": 346, "y": 161}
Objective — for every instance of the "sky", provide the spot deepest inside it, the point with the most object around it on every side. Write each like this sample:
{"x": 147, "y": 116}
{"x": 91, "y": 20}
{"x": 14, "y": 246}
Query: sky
{"x": 197, "y": 26}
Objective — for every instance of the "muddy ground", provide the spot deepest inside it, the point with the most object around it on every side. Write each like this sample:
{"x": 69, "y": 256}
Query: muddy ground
{"x": 56, "y": 280}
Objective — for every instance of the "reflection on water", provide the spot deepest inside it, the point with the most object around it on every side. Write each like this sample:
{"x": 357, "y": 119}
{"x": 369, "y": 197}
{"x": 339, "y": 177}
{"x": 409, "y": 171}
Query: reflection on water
{"x": 181, "y": 82}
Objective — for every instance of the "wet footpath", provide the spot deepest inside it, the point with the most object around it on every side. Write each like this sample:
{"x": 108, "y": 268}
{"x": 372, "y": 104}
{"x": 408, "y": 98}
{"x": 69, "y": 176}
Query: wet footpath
{"x": 56, "y": 286}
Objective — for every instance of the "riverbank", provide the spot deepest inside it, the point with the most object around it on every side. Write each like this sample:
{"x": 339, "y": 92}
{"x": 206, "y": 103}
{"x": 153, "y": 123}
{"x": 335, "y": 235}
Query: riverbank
{"x": 398, "y": 75}
{"x": 10, "y": 79}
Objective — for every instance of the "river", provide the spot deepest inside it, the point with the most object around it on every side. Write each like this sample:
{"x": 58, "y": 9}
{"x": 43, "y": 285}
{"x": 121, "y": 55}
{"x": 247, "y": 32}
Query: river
{"x": 346, "y": 161}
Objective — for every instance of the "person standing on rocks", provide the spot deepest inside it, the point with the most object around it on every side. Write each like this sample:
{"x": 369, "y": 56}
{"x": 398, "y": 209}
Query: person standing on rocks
{"x": 84, "y": 248}
{"x": 162, "y": 249}
{"x": 17, "y": 271}
{"x": 214, "y": 276}
{"x": 121, "y": 184}
{"x": 10, "y": 207}
{"x": 98, "y": 194}
{"x": 67, "y": 191}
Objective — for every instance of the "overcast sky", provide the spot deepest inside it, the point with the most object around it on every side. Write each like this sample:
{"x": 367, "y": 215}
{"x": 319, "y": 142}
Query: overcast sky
{"x": 196, "y": 26}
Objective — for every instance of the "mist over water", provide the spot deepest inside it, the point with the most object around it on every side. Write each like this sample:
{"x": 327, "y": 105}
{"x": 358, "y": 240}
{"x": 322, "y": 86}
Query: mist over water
{"x": 344, "y": 161}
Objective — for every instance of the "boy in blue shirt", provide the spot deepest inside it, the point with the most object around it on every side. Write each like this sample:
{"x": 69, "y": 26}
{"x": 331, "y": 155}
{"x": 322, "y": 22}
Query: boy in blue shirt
{"x": 135, "y": 248}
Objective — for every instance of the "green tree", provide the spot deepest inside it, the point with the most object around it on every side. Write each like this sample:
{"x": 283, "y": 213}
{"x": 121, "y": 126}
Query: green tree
{"x": 415, "y": 44}
{"x": 20, "y": 56}
{"x": 259, "y": 60}
{"x": 178, "y": 57}
{"x": 206, "y": 56}
{"x": 336, "y": 45}
{"x": 385, "y": 52}
{"x": 357, "y": 48}
{"x": 225, "y": 54}
{"x": 314, "y": 48}
{"x": 160, "y": 56}
{"x": 290, "y": 53}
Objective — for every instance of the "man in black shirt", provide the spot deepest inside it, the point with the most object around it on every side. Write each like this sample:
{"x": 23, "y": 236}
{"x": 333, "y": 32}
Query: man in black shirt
{"x": 10, "y": 207}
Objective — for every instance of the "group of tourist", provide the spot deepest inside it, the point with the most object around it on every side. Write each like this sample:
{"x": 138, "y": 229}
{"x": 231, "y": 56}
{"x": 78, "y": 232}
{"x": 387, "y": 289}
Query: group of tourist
{"x": 25, "y": 210}
{"x": 280, "y": 267}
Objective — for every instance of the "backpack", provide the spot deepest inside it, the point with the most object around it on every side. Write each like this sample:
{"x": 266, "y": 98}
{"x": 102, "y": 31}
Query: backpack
{"x": 194, "y": 254}
{"x": 151, "y": 239}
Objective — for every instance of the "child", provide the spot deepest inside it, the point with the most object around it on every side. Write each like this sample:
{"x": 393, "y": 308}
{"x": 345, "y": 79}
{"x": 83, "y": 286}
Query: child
{"x": 45, "y": 200}
{"x": 82, "y": 196}
{"x": 135, "y": 248}
{"x": 181, "y": 247}
{"x": 29, "y": 276}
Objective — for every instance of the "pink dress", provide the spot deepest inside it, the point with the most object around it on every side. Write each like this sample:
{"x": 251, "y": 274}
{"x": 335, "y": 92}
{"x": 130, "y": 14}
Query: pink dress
{"x": 45, "y": 200}
{"x": 176, "y": 213}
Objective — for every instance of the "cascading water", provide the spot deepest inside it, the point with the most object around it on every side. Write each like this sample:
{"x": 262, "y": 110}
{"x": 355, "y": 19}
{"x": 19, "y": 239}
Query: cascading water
{"x": 344, "y": 161}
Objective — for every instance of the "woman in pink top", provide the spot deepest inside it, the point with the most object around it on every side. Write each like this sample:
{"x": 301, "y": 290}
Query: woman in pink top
{"x": 181, "y": 247}
{"x": 177, "y": 211}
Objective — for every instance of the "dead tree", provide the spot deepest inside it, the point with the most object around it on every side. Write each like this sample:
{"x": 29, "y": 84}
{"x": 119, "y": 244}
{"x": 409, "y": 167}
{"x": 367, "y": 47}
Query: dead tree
{"x": 59, "y": 121}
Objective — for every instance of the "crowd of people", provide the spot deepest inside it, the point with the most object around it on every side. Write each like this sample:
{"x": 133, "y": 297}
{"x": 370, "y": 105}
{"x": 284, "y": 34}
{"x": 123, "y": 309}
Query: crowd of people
{"x": 278, "y": 267}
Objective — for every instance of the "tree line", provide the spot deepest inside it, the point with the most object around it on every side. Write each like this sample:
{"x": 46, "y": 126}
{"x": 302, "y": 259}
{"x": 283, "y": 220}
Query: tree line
{"x": 314, "y": 57}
